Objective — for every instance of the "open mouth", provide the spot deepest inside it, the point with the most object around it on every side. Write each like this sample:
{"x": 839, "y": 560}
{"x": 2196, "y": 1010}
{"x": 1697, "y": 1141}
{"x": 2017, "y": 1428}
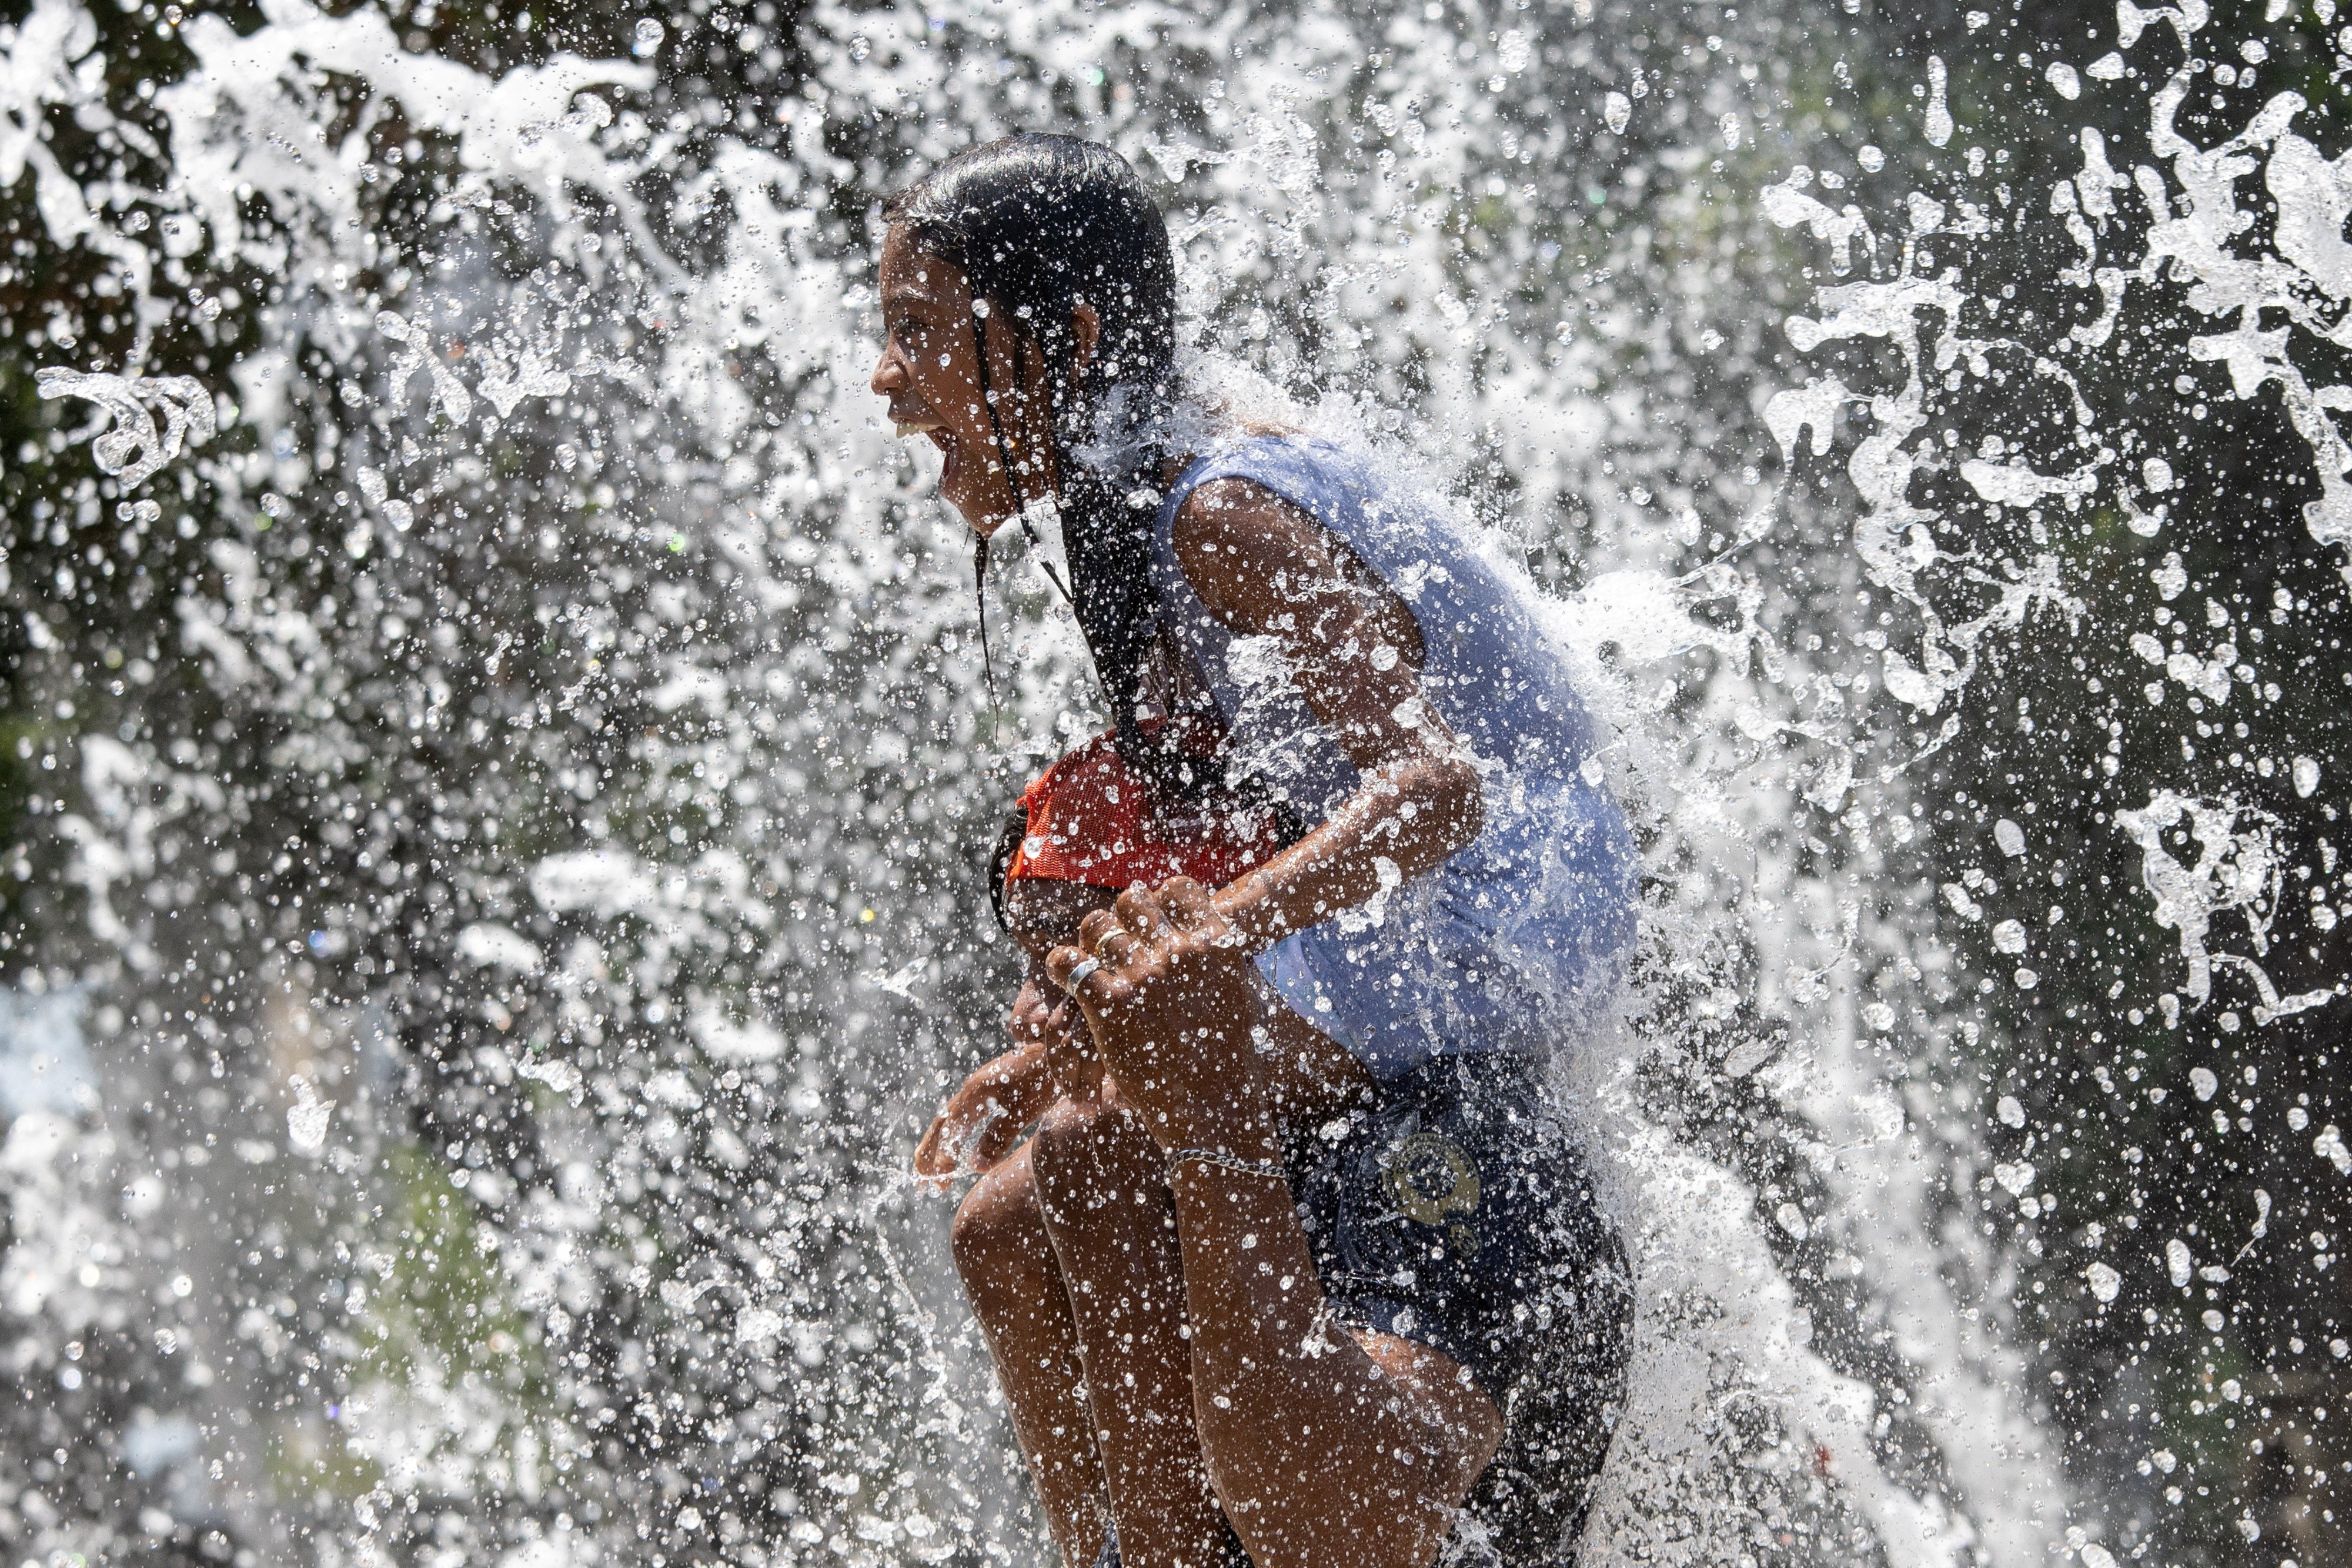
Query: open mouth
{"x": 947, "y": 445}
{"x": 938, "y": 434}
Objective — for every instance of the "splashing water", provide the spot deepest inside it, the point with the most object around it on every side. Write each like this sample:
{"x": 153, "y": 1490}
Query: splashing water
{"x": 518, "y": 892}
{"x": 133, "y": 449}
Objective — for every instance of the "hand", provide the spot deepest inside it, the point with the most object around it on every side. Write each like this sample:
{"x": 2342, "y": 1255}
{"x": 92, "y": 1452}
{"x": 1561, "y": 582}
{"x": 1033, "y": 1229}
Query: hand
{"x": 982, "y": 1120}
{"x": 1044, "y": 1016}
{"x": 1175, "y": 1007}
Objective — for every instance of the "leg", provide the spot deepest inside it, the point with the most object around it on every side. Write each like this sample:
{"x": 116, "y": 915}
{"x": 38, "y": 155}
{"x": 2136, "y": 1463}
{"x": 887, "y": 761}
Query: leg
{"x": 1006, "y": 1261}
{"x": 1103, "y": 1189}
{"x": 1328, "y": 1448}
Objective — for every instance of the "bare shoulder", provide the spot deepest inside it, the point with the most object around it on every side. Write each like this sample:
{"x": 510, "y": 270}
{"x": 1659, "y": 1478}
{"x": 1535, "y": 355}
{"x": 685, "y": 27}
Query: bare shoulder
{"x": 1236, "y": 515}
{"x": 1257, "y": 561}
{"x": 1243, "y": 549}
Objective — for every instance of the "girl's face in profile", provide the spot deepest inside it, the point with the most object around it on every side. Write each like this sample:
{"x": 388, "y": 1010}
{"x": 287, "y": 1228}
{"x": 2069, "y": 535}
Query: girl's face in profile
{"x": 929, "y": 371}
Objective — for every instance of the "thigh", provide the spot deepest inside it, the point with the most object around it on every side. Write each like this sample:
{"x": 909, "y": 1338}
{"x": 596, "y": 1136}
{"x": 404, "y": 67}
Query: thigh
{"x": 998, "y": 1235}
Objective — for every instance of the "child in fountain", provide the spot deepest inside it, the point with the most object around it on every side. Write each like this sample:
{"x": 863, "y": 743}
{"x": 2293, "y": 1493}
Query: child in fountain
{"x": 1310, "y": 1222}
{"x": 1085, "y": 830}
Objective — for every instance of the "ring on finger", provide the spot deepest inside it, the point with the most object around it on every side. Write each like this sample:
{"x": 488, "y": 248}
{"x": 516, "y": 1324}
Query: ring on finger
{"x": 1079, "y": 971}
{"x": 1102, "y": 942}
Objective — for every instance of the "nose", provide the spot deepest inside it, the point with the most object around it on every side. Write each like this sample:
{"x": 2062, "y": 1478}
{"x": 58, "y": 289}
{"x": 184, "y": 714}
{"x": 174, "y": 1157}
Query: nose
{"x": 890, "y": 372}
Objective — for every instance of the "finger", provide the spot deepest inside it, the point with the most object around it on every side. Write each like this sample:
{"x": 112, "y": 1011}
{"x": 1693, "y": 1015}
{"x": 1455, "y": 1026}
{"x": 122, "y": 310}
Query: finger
{"x": 930, "y": 1159}
{"x": 1081, "y": 974}
{"x": 1076, "y": 1070}
{"x": 1065, "y": 1030}
{"x": 1139, "y": 912}
{"x": 1097, "y": 925}
{"x": 1186, "y": 902}
{"x": 1038, "y": 999}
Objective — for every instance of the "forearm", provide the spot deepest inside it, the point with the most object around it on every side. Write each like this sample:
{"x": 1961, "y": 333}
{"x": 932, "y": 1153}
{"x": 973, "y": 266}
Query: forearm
{"x": 1021, "y": 1081}
{"x": 1407, "y": 818}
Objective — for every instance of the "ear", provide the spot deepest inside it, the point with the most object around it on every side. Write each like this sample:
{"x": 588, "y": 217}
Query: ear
{"x": 1085, "y": 332}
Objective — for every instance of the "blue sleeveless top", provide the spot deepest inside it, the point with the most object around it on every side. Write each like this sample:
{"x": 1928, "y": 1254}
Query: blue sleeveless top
{"x": 1513, "y": 940}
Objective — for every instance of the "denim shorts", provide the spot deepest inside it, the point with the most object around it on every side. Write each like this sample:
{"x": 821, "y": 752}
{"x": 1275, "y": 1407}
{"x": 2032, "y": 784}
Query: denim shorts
{"x": 1455, "y": 1209}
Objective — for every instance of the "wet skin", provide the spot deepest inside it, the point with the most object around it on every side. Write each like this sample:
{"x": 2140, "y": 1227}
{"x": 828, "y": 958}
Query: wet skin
{"x": 1158, "y": 1329}
{"x": 928, "y": 372}
{"x": 1067, "y": 1250}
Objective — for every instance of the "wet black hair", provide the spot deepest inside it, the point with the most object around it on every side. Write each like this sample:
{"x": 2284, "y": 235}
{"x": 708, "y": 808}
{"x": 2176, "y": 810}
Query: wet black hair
{"x": 1040, "y": 224}
{"x": 1000, "y": 860}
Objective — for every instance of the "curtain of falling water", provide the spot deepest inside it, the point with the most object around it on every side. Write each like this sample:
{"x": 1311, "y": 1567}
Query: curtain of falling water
{"x": 497, "y": 819}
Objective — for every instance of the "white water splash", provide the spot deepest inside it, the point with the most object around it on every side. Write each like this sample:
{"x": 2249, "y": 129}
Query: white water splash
{"x": 127, "y": 445}
{"x": 1715, "y": 762}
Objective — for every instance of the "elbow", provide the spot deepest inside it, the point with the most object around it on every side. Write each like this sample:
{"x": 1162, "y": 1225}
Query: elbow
{"x": 1453, "y": 800}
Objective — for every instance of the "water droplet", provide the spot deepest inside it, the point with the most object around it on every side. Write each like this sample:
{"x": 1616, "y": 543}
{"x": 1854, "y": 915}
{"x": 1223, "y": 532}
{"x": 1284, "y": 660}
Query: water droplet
{"x": 646, "y": 38}
{"x": 1937, "y": 125}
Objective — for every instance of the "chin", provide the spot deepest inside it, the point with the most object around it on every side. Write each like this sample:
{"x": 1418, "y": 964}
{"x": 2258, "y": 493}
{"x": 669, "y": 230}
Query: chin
{"x": 982, "y": 523}
{"x": 964, "y": 513}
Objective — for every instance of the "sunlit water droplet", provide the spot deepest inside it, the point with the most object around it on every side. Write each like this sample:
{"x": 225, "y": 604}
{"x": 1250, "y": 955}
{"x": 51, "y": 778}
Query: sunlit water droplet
{"x": 1937, "y": 123}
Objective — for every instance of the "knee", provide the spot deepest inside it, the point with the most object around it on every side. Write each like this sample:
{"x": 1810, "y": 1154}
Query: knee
{"x": 1058, "y": 1148}
{"x": 998, "y": 1232}
{"x": 1084, "y": 1154}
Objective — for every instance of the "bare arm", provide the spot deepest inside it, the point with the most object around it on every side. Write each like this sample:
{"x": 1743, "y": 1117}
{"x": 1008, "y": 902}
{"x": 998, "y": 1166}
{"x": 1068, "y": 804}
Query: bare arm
{"x": 1264, "y": 568}
{"x": 984, "y": 1118}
